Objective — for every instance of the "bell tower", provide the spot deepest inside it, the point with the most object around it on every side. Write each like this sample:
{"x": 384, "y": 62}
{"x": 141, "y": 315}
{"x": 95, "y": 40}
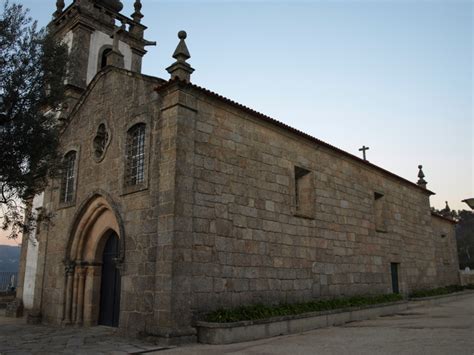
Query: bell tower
{"x": 98, "y": 34}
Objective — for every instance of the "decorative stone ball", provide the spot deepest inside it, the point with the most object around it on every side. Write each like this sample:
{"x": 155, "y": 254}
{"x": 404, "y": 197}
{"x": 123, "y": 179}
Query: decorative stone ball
{"x": 182, "y": 34}
{"x": 115, "y": 5}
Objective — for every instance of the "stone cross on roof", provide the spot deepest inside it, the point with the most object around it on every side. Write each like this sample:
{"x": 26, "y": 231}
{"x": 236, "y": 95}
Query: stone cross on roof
{"x": 180, "y": 69}
{"x": 114, "y": 57}
{"x": 363, "y": 150}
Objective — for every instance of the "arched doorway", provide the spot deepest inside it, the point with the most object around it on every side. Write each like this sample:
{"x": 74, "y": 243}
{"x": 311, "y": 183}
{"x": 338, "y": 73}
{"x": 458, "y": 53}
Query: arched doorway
{"x": 93, "y": 260}
{"x": 110, "y": 284}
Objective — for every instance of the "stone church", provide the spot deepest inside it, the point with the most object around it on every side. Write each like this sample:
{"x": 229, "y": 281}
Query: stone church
{"x": 175, "y": 200}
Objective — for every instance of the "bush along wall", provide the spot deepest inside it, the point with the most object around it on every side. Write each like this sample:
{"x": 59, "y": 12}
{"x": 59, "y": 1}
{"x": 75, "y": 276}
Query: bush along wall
{"x": 260, "y": 311}
{"x": 440, "y": 291}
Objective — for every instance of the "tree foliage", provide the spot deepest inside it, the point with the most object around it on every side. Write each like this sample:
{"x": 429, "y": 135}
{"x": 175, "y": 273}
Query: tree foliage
{"x": 32, "y": 74}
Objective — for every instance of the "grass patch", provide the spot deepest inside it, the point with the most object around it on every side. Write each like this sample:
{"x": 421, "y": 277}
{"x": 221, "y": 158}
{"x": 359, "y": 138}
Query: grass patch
{"x": 440, "y": 291}
{"x": 261, "y": 311}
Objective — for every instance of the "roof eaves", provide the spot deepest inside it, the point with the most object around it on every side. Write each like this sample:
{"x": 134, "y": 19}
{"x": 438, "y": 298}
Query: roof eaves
{"x": 280, "y": 124}
{"x": 434, "y": 214}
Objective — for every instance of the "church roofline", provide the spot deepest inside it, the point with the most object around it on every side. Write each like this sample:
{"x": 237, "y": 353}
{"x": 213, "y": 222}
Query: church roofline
{"x": 101, "y": 73}
{"x": 286, "y": 127}
{"x": 447, "y": 219}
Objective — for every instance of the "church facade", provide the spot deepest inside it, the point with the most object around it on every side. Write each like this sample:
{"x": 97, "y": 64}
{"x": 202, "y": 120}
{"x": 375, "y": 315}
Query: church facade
{"x": 177, "y": 201}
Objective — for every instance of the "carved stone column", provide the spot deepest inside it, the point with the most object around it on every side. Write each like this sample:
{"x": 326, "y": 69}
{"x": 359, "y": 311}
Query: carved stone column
{"x": 70, "y": 267}
{"x": 92, "y": 295}
{"x": 74, "y": 296}
{"x": 80, "y": 294}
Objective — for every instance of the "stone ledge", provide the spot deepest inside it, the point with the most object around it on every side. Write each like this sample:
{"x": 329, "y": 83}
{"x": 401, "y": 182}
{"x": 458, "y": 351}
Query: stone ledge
{"x": 228, "y": 333}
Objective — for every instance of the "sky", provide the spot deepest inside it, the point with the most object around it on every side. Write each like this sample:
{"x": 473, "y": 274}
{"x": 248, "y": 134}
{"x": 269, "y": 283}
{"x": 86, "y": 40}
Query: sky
{"x": 396, "y": 76}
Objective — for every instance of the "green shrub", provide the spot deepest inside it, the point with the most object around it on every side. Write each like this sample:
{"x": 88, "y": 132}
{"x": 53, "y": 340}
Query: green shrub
{"x": 438, "y": 291}
{"x": 261, "y": 311}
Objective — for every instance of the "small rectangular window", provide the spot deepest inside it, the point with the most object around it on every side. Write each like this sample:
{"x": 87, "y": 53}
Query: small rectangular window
{"x": 304, "y": 192}
{"x": 379, "y": 208}
{"x": 394, "y": 269}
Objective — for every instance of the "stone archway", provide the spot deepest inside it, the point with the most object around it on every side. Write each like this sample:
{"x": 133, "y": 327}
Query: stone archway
{"x": 93, "y": 226}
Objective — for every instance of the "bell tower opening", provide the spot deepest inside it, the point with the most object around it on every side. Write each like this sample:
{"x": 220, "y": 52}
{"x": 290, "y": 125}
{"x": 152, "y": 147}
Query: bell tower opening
{"x": 103, "y": 59}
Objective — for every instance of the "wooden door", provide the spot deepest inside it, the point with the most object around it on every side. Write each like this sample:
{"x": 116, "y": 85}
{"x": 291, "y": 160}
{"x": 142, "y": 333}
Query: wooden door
{"x": 395, "y": 284}
{"x": 110, "y": 284}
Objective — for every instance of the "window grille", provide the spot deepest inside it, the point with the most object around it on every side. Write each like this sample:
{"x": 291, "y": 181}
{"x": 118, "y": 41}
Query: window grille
{"x": 136, "y": 155}
{"x": 68, "y": 180}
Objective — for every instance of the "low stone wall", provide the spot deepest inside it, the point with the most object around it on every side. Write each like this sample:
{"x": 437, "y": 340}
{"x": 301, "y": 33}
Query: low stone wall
{"x": 5, "y": 298}
{"x": 14, "y": 309}
{"x": 467, "y": 277}
{"x": 227, "y": 333}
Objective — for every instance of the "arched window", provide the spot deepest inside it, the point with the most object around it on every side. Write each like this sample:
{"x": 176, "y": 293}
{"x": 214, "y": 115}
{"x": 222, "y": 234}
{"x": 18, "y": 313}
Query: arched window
{"x": 69, "y": 177}
{"x": 135, "y": 174}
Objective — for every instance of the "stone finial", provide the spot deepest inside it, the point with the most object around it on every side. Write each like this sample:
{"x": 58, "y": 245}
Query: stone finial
{"x": 447, "y": 208}
{"x": 181, "y": 54}
{"x": 446, "y": 211}
{"x": 421, "y": 177}
{"x": 137, "y": 14}
{"x": 59, "y": 8}
{"x": 180, "y": 69}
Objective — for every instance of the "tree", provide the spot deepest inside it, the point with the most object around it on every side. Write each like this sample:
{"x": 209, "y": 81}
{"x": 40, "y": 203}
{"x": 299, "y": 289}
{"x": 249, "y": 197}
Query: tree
{"x": 32, "y": 75}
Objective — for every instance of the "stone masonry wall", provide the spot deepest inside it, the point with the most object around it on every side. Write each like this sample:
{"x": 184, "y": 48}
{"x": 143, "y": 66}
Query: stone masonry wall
{"x": 217, "y": 223}
{"x": 119, "y": 99}
{"x": 467, "y": 277}
{"x": 447, "y": 262}
{"x": 251, "y": 245}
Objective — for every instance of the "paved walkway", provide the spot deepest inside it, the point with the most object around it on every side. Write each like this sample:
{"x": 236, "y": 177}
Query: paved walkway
{"x": 16, "y": 337}
{"x": 443, "y": 329}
